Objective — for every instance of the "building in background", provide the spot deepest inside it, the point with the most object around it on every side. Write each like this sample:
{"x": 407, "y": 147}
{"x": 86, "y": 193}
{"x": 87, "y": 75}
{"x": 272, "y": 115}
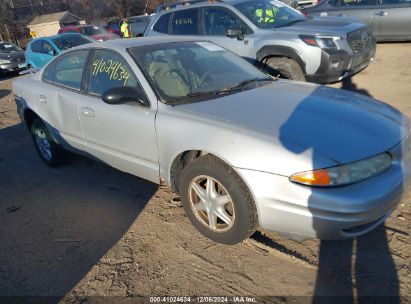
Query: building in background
{"x": 49, "y": 24}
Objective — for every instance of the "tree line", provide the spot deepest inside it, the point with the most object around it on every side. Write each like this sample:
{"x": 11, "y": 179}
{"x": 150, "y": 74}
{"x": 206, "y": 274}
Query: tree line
{"x": 16, "y": 14}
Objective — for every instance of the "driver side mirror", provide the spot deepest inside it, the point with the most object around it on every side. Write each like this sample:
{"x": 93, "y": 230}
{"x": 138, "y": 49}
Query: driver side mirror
{"x": 122, "y": 95}
{"x": 235, "y": 32}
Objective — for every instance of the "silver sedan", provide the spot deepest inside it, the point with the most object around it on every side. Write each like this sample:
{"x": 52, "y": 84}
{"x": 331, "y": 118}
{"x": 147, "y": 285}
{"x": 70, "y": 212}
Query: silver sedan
{"x": 242, "y": 149}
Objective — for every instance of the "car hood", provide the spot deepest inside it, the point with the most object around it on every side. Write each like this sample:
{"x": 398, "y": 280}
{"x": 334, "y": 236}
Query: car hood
{"x": 12, "y": 55}
{"x": 323, "y": 26}
{"x": 337, "y": 124}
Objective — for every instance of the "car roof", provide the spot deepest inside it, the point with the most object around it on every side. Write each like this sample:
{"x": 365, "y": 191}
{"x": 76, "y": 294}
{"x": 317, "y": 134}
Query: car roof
{"x": 58, "y": 36}
{"x": 123, "y": 44}
{"x": 188, "y": 3}
{"x": 78, "y": 26}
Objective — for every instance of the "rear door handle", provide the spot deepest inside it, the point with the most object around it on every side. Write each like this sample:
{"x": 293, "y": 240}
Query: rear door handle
{"x": 341, "y": 15}
{"x": 382, "y": 13}
{"x": 89, "y": 112}
{"x": 43, "y": 99}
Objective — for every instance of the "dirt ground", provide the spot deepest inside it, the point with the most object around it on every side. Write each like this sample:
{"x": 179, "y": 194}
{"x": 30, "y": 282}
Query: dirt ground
{"x": 88, "y": 230}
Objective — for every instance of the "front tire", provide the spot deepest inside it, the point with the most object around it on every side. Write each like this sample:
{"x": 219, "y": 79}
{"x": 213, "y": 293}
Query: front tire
{"x": 49, "y": 151}
{"x": 217, "y": 201}
{"x": 284, "y": 68}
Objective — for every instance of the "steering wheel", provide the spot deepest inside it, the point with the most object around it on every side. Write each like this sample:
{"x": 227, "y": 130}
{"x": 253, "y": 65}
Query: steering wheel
{"x": 205, "y": 75}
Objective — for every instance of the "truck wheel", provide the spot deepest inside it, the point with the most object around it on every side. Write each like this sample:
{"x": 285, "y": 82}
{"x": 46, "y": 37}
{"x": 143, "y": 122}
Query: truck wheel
{"x": 49, "y": 151}
{"x": 217, "y": 201}
{"x": 284, "y": 68}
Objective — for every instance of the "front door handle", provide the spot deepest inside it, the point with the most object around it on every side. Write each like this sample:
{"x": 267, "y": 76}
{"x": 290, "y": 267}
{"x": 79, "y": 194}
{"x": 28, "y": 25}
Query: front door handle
{"x": 341, "y": 15}
{"x": 382, "y": 13}
{"x": 89, "y": 112}
{"x": 43, "y": 99}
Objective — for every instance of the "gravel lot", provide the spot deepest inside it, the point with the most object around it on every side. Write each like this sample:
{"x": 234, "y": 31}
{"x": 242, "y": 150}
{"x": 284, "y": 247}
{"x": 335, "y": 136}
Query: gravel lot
{"x": 88, "y": 230}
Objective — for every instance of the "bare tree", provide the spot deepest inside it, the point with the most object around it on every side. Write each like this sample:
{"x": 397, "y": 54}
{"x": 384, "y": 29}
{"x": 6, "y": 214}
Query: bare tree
{"x": 125, "y": 8}
{"x": 7, "y": 24}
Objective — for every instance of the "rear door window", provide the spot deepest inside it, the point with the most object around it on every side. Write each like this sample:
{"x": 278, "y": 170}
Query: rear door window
{"x": 185, "y": 22}
{"x": 68, "y": 71}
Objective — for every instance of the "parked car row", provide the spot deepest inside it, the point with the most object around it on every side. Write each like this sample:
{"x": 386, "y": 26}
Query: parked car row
{"x": 41, "y": 50}
{"x": 252, "y": 150}
{"x": 94, "y": 32}
{"x": 274, "y": 37}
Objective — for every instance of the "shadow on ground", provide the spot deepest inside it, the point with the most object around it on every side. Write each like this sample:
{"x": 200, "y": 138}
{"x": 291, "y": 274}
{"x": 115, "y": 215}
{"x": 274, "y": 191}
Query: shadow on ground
{"x": 349, "y": 85}
{"x": 58, "y": 223}
{"x": 4, "y": 93}
{"x": 7, "y": 76}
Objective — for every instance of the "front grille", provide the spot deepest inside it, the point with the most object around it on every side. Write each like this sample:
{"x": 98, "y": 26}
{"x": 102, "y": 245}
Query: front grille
{"x": 360, "y": 40}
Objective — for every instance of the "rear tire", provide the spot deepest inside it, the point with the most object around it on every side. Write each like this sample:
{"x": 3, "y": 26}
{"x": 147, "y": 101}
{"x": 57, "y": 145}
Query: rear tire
{"x": 217, "y": 201}
{"x": 49, "y": 151}
{"x": 284, "y": 68}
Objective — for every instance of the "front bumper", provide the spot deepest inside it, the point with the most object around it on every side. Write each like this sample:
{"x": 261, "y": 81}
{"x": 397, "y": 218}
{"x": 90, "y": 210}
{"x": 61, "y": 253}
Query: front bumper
{"x": 330, "y": 213}
{"x": 13, "y": 67}
{"x": 339, "y": 64}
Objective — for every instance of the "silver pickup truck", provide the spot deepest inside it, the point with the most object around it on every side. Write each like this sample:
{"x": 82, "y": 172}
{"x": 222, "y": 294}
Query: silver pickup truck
{"x": 275, "y": 36}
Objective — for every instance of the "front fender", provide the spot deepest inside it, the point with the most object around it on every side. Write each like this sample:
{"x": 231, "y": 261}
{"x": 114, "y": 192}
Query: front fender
{"x": 240, "y": 147}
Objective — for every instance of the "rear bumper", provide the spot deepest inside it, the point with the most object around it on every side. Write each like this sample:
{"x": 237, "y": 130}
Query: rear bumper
{"x": 339, "y": 64}
{"x": 329, "y": 213}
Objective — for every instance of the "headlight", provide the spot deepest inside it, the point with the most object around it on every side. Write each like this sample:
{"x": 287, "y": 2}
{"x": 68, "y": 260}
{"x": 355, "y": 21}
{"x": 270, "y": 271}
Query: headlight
{"x": 3, "y": 61}
{"x": 324, "y": 42}
{"x": 345, "y": 174}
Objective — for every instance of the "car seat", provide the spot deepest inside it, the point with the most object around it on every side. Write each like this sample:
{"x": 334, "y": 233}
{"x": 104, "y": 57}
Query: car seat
{"x": 168, "y": 80}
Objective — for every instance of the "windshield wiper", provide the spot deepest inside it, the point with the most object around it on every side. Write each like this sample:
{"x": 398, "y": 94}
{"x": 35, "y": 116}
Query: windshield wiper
{"x": 244, "y": 83}
{"x": 191, "y": 95}
{"x": 237, "y": 87}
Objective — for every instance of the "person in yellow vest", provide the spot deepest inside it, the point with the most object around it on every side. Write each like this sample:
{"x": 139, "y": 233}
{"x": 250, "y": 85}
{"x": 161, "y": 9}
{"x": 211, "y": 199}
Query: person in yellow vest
{"x": 267, "y": 18}
{"x": 124, "y": 29}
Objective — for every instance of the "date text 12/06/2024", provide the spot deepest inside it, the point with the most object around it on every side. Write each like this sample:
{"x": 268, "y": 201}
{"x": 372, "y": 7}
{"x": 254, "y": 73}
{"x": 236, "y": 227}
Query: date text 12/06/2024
{"x": 202, "y": 299}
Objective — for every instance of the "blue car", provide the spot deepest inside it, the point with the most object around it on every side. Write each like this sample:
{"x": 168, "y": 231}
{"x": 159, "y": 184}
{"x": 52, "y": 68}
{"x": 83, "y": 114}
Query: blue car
{"x": 41, "y": 50}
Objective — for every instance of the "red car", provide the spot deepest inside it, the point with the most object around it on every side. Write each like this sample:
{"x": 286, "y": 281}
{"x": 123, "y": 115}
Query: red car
{"x": 95, "y": 32}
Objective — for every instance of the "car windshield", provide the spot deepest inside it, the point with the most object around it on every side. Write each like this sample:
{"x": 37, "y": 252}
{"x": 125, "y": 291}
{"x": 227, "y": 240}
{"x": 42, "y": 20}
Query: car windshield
{"x": 269, "y": 13}
{"x": 191, "y": 71}
{"x": 92, "y": 30}
{"x": 9, "y": 48}
{"x": 69, "y": 41}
